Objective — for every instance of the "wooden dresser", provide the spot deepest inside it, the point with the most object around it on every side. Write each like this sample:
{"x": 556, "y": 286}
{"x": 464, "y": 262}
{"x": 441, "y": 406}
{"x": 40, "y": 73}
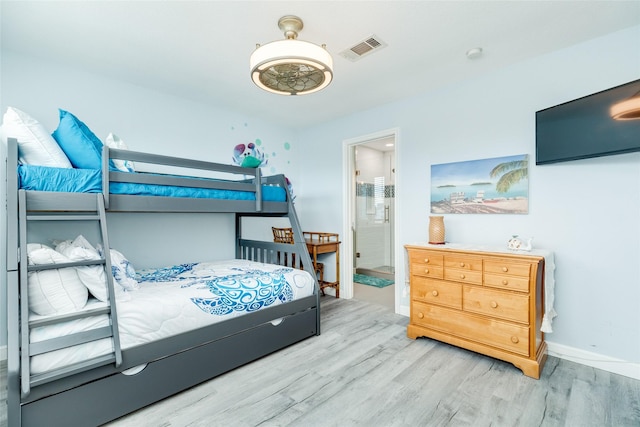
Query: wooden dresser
{"x": 488, "y": 302}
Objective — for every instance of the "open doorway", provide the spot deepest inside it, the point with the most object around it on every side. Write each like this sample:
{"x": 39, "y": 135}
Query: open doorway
{"x": 370, "y": 243}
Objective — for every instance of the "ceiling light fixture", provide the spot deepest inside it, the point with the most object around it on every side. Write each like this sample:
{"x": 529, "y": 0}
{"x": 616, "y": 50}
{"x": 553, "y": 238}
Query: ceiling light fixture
{"x": 628, "y": 109}
{"x": 291, "y": 66}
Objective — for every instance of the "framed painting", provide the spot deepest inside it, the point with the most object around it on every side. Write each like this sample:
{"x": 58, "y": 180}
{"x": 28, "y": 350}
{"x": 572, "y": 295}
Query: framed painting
{"x": 498, "y": 185}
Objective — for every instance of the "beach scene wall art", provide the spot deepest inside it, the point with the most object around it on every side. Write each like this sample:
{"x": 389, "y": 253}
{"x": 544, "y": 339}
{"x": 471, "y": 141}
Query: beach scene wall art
{"x": 498, "y": 185}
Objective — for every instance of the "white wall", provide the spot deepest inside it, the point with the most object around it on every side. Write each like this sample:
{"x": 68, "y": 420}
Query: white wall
{"x": 587, "y": 212}
{"x": 147, "y": 121}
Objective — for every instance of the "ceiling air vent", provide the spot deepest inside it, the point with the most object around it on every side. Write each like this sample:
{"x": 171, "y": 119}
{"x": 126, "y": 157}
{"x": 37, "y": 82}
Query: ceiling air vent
{"x": 363, "y": 48}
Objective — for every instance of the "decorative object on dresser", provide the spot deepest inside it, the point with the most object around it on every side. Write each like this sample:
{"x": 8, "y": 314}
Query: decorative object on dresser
{"x": 436, "y": 230}
{"x": 517, "y": 243}
{"x": 488, "y": 301}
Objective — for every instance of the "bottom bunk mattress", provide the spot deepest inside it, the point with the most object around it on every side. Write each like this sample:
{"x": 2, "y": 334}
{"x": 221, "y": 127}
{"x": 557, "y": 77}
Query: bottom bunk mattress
{"x": 172, "y": 300}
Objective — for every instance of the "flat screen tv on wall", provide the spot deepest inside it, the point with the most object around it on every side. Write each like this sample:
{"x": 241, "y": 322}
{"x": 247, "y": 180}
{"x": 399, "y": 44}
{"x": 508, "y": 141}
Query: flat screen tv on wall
{"x": 585, "y": 128}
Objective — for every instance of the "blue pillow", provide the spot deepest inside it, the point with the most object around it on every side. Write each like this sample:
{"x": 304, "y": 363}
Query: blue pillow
{"x": 82, "y": 147}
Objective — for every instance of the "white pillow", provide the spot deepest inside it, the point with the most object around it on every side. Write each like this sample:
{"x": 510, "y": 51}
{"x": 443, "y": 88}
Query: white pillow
{"x": 113, "y": 141}
{"x": 123, "y": 271}
{"x": 92, "y": 276}
{"x": 36, "y": 146}
{"x": 53, "y": 291}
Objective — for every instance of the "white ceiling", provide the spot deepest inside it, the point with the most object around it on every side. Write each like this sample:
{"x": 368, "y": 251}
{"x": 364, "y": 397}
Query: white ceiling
{"x": 200, "y": 49}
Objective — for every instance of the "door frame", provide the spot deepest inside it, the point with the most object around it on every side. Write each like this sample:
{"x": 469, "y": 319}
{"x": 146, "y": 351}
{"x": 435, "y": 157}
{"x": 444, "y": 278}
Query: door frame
{"x": 349, "y": 211}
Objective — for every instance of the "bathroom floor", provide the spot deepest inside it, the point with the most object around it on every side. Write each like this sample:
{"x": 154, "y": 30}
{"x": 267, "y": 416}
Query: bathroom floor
{"x": 381, "y": 296}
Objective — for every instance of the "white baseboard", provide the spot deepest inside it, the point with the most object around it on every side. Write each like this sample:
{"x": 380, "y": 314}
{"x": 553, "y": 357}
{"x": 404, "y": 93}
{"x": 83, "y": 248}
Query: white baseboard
{"x": 595, "y": 360}
{"x": 606, "y": 363}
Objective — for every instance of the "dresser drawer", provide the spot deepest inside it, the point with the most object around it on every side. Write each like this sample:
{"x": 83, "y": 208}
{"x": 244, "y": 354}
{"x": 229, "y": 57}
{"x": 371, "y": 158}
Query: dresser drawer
{"x": 502, "y": 281}
{"x": 467, "y": 263}
{"x": 492, "y": 332}
{"x": 464, "y": 276}
{"x": 504, "y": 305}
{"x": 436, "y": 292}
{"x": 507, "y": 267}
{"x": 466, "y": 269}
{"x": 426, "y": 263}
{"x": 426, "y": 271}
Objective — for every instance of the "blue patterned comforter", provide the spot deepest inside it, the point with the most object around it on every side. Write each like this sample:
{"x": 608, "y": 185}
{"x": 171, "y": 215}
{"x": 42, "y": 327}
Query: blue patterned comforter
{"x": 175, "y": 299}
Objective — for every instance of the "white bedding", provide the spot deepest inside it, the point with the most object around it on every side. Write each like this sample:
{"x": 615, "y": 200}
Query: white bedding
{"x": 176, "y": 299}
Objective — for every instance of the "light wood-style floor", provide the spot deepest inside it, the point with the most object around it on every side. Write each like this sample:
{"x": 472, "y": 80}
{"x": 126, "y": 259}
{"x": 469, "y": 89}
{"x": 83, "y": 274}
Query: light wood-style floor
{"x": 364, "y": 371}
{"x": 383, "y": 296}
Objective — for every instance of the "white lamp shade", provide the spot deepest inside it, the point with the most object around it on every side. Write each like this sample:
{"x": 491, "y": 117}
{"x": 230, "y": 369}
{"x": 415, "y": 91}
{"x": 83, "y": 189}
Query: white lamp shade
{"x": 291, "y": 67}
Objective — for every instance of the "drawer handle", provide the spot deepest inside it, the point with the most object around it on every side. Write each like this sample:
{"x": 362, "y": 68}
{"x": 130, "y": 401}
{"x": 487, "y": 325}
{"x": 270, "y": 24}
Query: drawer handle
{"x": 434, "y": 293}
{"x": 505, "y": 282}
{"x": 505, "y": 269}
{"x": 426, "y": 260}
{"x": 515, "y": 340}
{"x": 494, "y": 304}
{"x": 462, "y": 264}
{"x": 420, "y": 315}
{"x": 462, "y": 276}
{"x": 426, "y": 270}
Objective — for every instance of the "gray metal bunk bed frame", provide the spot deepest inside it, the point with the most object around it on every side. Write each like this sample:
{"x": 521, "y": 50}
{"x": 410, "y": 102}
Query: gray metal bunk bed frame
{"x": 95, "y": 392}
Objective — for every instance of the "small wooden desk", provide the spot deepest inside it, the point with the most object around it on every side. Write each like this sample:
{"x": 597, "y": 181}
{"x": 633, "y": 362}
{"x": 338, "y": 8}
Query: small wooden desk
{"x": 324, "y": 243}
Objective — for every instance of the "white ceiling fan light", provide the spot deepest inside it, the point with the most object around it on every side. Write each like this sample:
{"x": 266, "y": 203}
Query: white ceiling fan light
{"x": 291, "y": 66}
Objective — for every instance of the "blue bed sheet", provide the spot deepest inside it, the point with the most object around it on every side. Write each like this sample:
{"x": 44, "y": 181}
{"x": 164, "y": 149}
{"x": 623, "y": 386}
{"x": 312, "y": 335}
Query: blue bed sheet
{"x": 42, "y": 178}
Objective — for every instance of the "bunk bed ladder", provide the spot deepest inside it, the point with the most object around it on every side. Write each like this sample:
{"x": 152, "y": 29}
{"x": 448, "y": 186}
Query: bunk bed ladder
{"x": 89, "y": 208}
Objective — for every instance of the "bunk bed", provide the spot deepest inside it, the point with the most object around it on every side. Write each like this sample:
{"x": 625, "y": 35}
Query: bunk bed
{"x": 126, "y": 377}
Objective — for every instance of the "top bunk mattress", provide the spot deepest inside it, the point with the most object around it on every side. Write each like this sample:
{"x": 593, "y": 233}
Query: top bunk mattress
{"x": 44, "y": 178}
